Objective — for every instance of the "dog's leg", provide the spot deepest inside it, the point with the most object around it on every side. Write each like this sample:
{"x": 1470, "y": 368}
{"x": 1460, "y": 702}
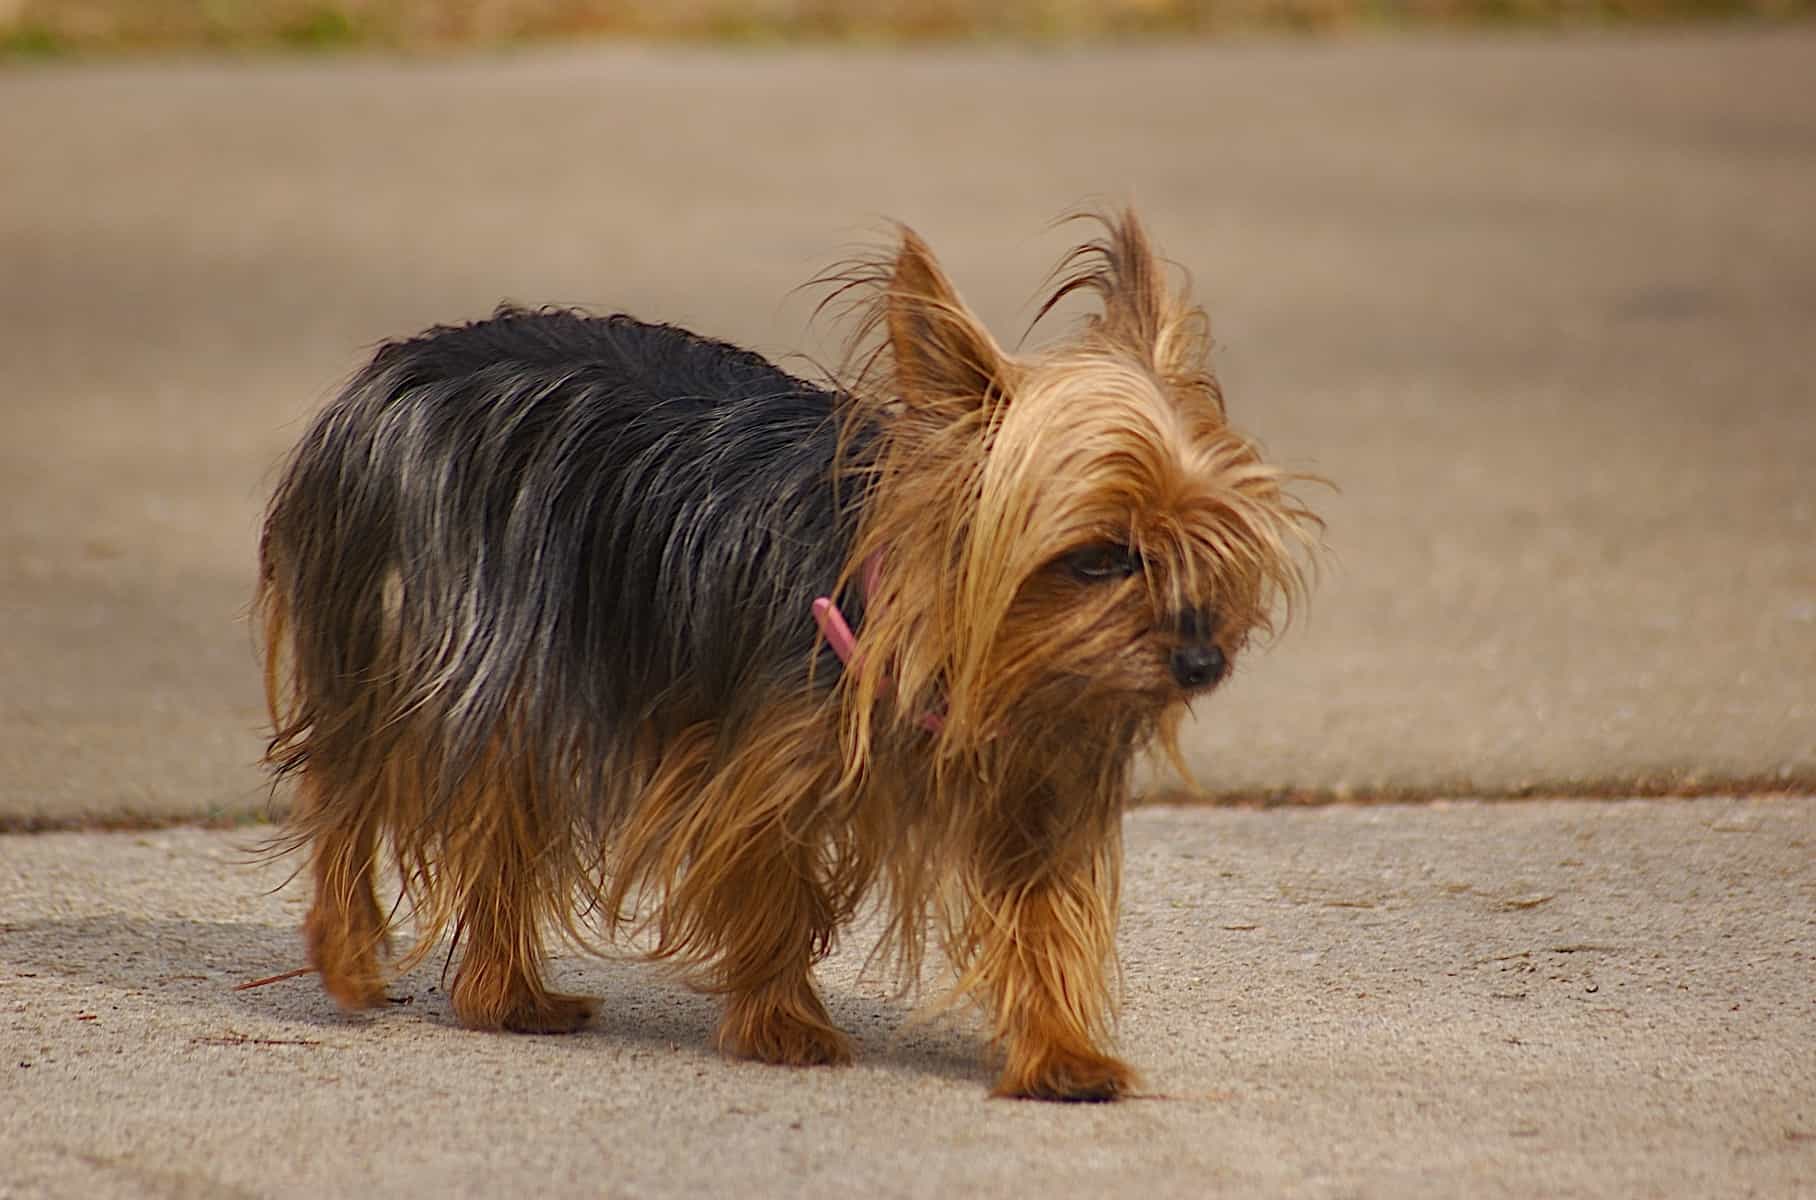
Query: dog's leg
{"x": 777, "y": 921}
{"x": 735, "y": 849}
{"x": 783, "y": 1023}
{"x": 499, "y": 982}
{"x": 1039, "y": 945}
{"x": 345, "y": 929}
{"x": 503, "y": 901}
{"x": 732, "y": 847}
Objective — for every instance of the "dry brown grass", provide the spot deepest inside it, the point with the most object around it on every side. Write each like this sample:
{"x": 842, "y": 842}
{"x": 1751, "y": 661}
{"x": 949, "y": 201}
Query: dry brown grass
{"x": 52, "y": 26}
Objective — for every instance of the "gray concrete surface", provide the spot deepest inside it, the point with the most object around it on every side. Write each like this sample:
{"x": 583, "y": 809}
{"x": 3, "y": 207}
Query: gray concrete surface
{"x": 1544, "y": 999}
{"x": 1540, "y": 307}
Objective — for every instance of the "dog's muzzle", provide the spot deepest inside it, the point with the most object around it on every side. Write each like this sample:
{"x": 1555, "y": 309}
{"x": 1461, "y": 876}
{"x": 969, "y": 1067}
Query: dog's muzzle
{"x": 1198, "y": 666}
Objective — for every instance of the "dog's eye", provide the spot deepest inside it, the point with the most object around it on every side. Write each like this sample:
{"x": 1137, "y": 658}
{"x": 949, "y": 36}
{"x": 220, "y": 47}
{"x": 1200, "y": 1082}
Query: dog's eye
{"x": 1098, "y": 564}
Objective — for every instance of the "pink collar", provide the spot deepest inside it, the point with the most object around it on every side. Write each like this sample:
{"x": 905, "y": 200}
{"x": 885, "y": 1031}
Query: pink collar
{"x": 844, "y": 643}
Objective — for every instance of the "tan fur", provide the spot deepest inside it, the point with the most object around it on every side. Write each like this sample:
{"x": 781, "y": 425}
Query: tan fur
{"x": 999, "y": 834}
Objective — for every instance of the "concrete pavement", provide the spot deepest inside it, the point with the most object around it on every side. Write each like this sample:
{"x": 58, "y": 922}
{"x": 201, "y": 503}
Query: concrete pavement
{"x": 1544, "y": 999}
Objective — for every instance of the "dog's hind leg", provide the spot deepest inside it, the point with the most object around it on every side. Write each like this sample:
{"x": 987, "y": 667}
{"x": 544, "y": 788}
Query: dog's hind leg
{"x": 735, "y": 852}
{"x": 724, "y": 843}
{"x": 345, "y": 928}
{"x": 507, "y": 883}
{"x": 776, "y": 920}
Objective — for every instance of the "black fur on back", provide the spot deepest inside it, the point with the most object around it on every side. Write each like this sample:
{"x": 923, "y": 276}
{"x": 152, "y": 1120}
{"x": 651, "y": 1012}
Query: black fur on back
{"x": 566, "y": 526}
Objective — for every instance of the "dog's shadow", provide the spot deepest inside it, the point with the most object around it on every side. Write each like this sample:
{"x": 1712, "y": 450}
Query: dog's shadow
{"x": 204, "y": 967}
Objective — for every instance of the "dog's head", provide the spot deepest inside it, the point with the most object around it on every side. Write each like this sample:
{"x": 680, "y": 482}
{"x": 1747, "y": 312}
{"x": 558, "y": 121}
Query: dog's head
{"x": 1070, "y": 537}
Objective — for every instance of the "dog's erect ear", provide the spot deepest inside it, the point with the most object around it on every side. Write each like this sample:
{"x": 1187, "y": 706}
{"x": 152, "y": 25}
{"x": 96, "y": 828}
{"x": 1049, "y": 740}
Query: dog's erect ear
{"x": 944, "y": 358}
{"x": 1138, "y": 307}
{"x": 1142, "y": 314}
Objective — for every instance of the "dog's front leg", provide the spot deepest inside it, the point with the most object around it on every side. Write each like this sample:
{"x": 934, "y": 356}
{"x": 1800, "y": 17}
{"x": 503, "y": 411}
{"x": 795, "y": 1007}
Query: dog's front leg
{"x": 1038, "y": 950}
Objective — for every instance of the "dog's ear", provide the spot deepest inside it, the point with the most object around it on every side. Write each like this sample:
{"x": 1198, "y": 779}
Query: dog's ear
{"x": 1139, "y": 311}
{"x": 1143, "y": 314}
{"x": 944, "y": 357}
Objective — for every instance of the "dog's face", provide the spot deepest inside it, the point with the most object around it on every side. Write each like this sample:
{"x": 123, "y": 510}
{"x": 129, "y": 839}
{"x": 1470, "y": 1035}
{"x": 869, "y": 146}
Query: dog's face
{"x": 1086, "y": 538}
{"x": 1138, "y": 535}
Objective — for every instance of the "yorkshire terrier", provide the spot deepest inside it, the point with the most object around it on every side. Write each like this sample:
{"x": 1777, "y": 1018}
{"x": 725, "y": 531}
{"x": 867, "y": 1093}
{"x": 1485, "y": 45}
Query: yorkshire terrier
{"x": 582, "y": 624}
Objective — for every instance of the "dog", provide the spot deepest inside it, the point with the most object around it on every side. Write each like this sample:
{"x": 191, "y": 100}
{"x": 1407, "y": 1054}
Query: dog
{"x": 585, "y": 626}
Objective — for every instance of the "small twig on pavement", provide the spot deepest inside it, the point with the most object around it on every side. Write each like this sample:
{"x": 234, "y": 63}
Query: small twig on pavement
{"x": 240, "y": 987}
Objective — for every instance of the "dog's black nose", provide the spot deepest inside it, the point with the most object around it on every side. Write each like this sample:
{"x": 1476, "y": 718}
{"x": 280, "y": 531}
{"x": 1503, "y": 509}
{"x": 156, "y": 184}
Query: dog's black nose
{"x": 1197, "y": 666}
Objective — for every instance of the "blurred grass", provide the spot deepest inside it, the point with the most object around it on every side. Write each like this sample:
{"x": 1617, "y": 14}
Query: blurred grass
{"x": 45, "y": 28}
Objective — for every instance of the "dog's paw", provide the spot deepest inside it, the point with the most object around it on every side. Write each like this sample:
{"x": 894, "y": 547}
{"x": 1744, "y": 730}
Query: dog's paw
{"x": 552, "y": 1012}
{"x": 1067, "y": 1075}
{"x": 355, "y": 992}
{"x": 782, "y": 1037}
{"x": 347, "y": 963}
